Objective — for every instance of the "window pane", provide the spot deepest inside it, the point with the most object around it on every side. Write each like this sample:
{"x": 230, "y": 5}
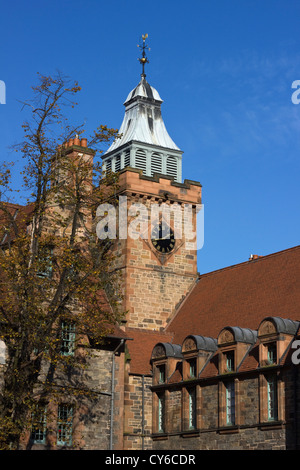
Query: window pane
{"x": 161, "y": 413}
{"x": 67, "y": 338}
{"x": 192, "y": 408}
{"x": 272, "y": 353}
{"x": 230, "y": 403}
{"x": 230, "y": 361}
{"x": 272, "y": 398}
{"x": 192, "y": 368}
{"x": 162, "y": 374}
{"x": 38, "y": 427}
{"x": 64, "y": 425}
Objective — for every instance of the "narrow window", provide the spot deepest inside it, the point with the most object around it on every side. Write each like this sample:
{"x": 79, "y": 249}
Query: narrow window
{"x": 192, "y": 408}
{"x": 230, "y": 404}
{"x": 161, "y": 412}
{"x": 272, "y": 353}
{"x": 39, "y": 423}
{"x": 67, "y": 338}
{"x": 230, "y": 361}
{"x": 272, "y": 398}
{"x": 161, "y": 374}
{"x": 45, "y": 263}
{"x": 64, "y": 425}
{"x": 192, "y": 368}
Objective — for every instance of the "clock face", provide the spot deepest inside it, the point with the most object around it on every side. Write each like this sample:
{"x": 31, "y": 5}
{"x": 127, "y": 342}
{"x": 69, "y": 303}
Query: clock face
{"x": 162, "y": 238}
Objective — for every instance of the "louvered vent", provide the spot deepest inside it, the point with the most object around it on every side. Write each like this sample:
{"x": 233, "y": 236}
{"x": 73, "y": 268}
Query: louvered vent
{"x": 156, "y": 163}
{"x": 108, "y": 166}
{"x": 127, "y": 158}
{"x": 140, "y": 160}
{"x": 118, "y": 163}
{"x": 172, "y": 167}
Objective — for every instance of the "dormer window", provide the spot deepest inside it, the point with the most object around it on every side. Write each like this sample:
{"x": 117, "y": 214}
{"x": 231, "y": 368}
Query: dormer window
{"x": 192, "y": 368}
{"x": 161, "y": 373}
{"x": 233, "y": 343}
{"x": 229, "y": 361}
{"x": 164, "y": 359}
{"x": 274, "y": 335}
{"x": 272, "y": 353}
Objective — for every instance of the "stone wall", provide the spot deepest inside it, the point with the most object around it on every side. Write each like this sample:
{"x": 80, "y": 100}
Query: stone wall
{"x": 138, "y": 405}
{"x": 89, "y": 391}
{"x": 154, "y": 283}
{"x": 249, "y": 432}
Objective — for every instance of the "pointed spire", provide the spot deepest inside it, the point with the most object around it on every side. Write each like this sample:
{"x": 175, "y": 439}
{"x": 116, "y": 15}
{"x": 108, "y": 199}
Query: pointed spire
{"x": 143, "y": 60}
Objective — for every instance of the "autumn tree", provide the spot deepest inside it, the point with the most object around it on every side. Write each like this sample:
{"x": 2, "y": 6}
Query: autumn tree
{"x": 53, "y": 268}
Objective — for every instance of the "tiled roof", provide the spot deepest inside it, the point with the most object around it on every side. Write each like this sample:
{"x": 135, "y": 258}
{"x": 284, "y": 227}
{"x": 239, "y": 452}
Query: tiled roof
{"x": 241, "y": 295}
{"x": 141, "y": 347}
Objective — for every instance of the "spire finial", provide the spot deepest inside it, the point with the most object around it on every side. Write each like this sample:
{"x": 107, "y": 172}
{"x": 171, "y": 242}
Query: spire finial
{"x": 143, "y": 60}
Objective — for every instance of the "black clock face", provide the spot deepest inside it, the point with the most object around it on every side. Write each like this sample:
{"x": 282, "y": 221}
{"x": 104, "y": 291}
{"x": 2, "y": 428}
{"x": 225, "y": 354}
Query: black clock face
{"x": 162, "y": 238}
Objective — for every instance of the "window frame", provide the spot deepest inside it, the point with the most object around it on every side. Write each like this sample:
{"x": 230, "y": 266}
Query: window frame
{"x": 161, "y": 412}
{"x": 272, "y": 397}
{"x": 48, "y": 261}
{"x": 229, "y": 360}
{"x": 39, "y": 420}
{"x": 192, "y": 408}
{"x": 271, "y": 352}
{"x": 65, "y": 424}
{"x": 230, "y": 403}
{"x": 68, "y": 343}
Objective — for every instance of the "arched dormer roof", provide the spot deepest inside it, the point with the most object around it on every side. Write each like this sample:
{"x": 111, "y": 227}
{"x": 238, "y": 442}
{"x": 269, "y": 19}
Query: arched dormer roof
{"x": 235, "y": 334}
{"x": 198, "y": 342}
{"x": 277, "y": 325}
{"x": 166, "y": 350}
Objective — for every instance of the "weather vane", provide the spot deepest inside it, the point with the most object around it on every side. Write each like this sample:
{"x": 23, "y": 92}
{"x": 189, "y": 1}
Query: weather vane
{"x": 143, "y": 60}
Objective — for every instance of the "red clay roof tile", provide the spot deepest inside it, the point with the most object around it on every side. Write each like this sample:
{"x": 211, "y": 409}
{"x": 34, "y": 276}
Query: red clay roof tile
{"x": 241, "y": 295}
{"x": 141, "y": 347}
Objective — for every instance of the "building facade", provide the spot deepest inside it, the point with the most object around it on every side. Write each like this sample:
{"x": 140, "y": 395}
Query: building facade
{"x": 201, "y": 361}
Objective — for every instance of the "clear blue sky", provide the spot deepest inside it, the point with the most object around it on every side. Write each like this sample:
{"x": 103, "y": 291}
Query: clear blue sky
{"x": 224, "y": 70}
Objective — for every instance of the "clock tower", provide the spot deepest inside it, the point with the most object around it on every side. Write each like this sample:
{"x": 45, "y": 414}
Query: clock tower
{"x": 157, "y": 252}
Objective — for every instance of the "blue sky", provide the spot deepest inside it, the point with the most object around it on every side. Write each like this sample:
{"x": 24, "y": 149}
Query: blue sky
{"x": 224, "y": 70}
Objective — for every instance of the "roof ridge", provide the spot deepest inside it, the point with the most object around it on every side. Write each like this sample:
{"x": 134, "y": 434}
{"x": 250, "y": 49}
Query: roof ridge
{"x": 244, "y": 263}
